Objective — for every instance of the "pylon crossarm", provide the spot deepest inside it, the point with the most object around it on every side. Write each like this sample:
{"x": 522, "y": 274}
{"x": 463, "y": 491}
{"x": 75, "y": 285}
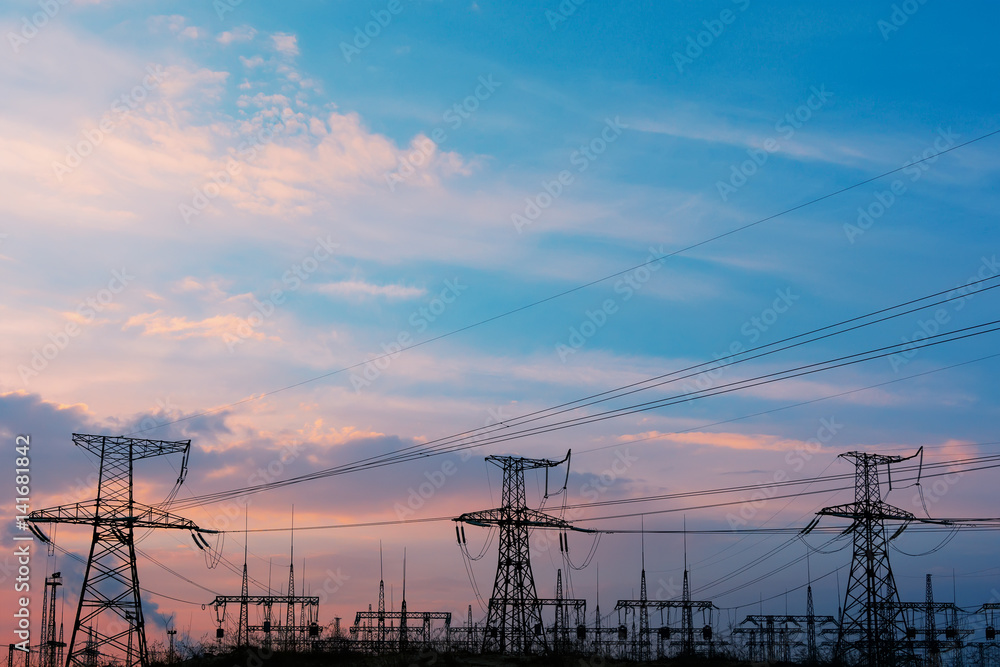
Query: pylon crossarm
{"x": 83, "y": 513}
{"x": 523, "y": 517}
{"x": 697, "y": 605}
{"x": 886, "y": 511}
{"x": 526, "y": 463}
{"x": 876, "y": 511}
{"x": 143, "y": 516}
{"x": 659, "y": 605}
{"x": 151, "y": 517}
{"x": 879, "y": 459}
{"x": 138, "y": 447}
{"x": 307, "y": 600}
{"x": 939, "y": 522}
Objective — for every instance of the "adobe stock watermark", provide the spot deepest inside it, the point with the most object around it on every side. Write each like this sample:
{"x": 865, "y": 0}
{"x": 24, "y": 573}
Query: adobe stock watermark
{"x": 334, "y": 581}
{"x": 419, "y": 320}
{"x": 163, "y": 407}
{"x": 363, "y": 35}
{"x": 786, "y": 127}
{"x": 434, "y": 480}
{"x": 581, "y": 159}
{"x": 292, "y": 279}
{"x": 246, "y": 153}
{"x": 900, "y": 15}
{"x": 932, "y": 325}
{"x": 223, "y": 7}
{"x": 883, "y": 200}
{"x": 229, "y": 511}
{"x": 705, "y": 38}
{"x": 120, "y": 109}
{"x": 428, "y": 143}
{"x": 593, "y": 321}
{"x": 928, "y": 495}
{"x": 592, "y": 490}
{"x": 31, "y": 25}
{"x": 562, "y": 13}
{"x": 796, "y": 460}
{"x": 87, "y": 311}
{"x": 752, "y": 329}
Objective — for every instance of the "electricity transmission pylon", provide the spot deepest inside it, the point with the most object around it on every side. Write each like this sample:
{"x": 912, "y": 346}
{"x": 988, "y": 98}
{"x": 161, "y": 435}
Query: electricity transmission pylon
{"x": 514, "y": 616}
{"x": 872, "y": 626}
{"x": 109, "y": 616}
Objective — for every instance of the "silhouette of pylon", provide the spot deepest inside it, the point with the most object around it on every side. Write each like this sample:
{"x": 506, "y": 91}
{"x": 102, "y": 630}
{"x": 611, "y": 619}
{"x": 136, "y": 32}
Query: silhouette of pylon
{"x": 109, "y": 611}
{"x": 872, "y": 626}
{"x": 514, "y": 616}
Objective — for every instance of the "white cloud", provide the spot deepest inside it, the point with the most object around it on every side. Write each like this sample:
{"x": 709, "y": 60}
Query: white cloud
{"x": 360, "y": 288}
{"x": 701, "y": 124}
{"x": 243, "y": 33}
{"x": 180, "y": 327}
{"x": 250, "y": 63}
{"x": 172, "y": 22}
{"x": 285, "y": 43}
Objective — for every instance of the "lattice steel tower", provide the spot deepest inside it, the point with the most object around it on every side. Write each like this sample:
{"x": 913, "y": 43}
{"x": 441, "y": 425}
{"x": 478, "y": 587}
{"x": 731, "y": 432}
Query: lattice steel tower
{"x": 514, "y": 617}
{"x": 50, "y": 645}
{"x": 871, "y": 624}
{"x": 109, "y": 616}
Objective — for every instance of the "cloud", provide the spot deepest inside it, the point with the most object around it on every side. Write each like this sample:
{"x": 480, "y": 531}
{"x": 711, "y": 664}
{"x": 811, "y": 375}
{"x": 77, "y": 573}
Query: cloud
{"x": 243, "y": 33}
{"x": 180, "y": 327}
{"x": 705, "y": 125}
{"x": 252, "y": 62}
{"x": 360, "y": 288}
{"x": 285, "y": 43}
{"x": 55, "y": 419}
{"x": 172, "y": 22}
{"x": 758, "y": 442}
{"x": 190, "y": 284}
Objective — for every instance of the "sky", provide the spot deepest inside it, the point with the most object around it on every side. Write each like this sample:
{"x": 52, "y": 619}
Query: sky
{"x": 304, "y": 234}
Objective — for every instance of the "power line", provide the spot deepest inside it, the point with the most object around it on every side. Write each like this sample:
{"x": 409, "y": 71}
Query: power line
{"x": 994, "y": 461}
{"x": 787, "y": 374}
{"x": 784, "y": 483}
{"x": 638, "y": 386}
{"x": 777, "y": 497}
{"x": 800, "y": 404}
{"x": 462, "y": 440}
{"x": 655, "y": 260}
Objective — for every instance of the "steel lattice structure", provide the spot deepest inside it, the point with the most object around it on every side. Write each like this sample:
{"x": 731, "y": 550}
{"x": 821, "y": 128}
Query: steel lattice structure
{"x": 514, "y": 616}
{"x": 871, "y": 623}
{"x": 50, "y": 646}
{"x": 309, "y": 604}
{"x": 562, "y": 641}
{"x": 109, "y": 611}
{"x": 772, "y": 636}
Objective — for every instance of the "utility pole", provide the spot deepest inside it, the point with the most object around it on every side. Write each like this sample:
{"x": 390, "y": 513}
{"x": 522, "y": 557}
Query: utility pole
{"x": 514, "y": 616}
{"x": 560, "y": 624}
{"x": 930, "y": 626}
{"x": 380, "y": 647}
{"x": 242, "y": 631}
{"x": 111, "y": 593}
{"x": 403, "y": 639}
{"x": 49, "y": 644}
{"x": 290, "y": 607}
{"x": 811, "y": 653}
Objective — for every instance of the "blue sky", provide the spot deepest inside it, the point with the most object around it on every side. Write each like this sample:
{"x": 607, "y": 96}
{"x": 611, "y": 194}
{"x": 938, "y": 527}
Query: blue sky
{"x": 247, "y": 207}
